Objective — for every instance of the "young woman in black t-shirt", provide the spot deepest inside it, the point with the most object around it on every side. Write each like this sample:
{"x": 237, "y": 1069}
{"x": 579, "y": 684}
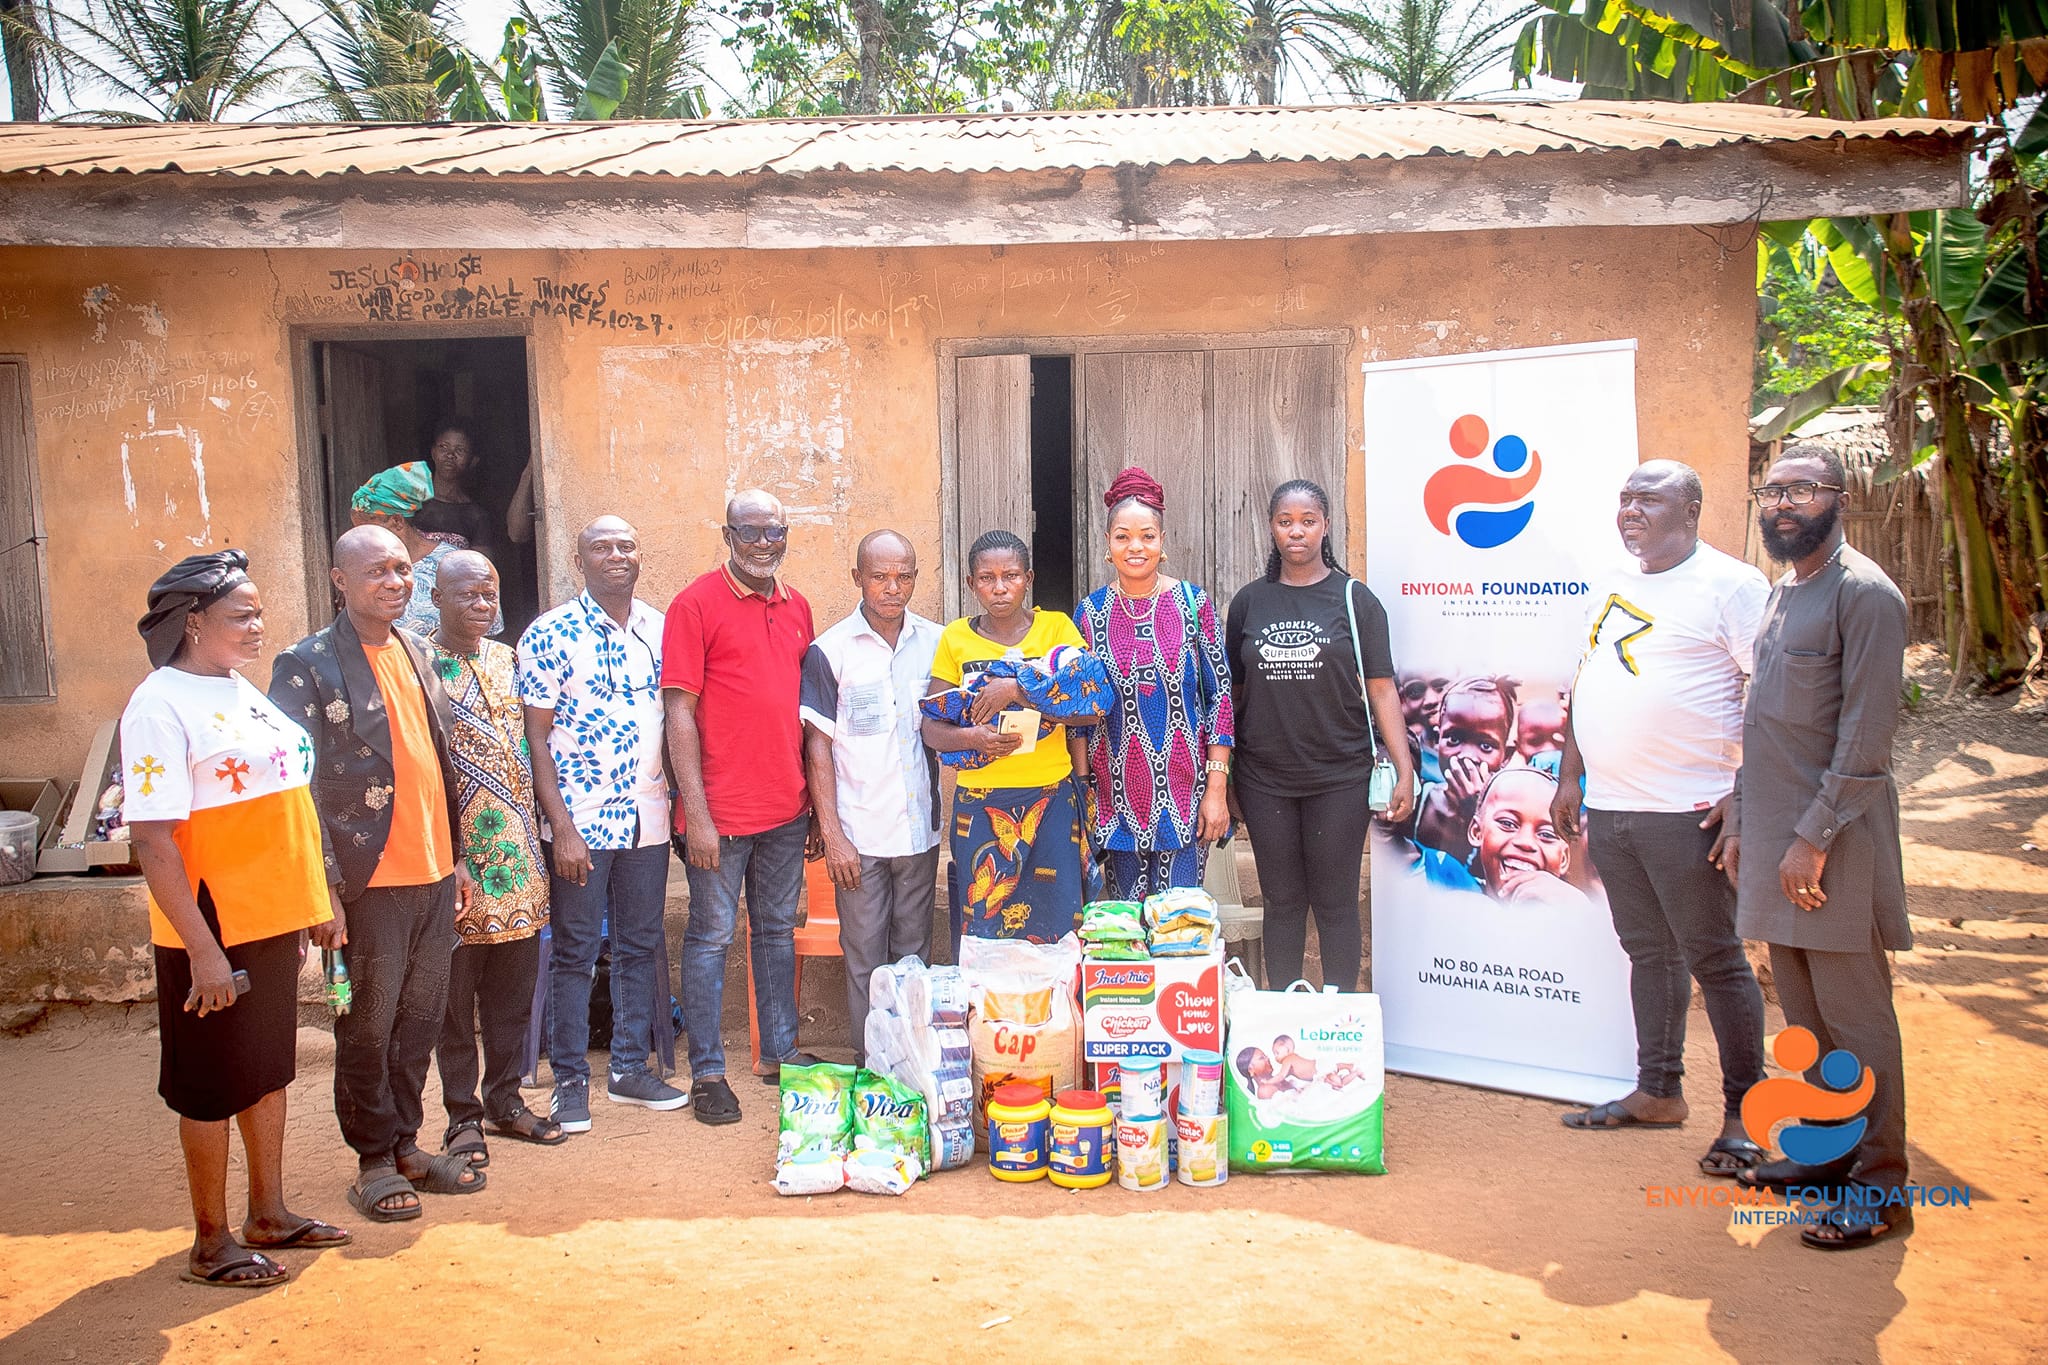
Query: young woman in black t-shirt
{"x": 1304, "y": 746}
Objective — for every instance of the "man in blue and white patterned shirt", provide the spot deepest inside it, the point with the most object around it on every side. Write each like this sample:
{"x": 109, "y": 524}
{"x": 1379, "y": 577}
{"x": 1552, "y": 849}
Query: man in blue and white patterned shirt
{"x": 590, "y": 679}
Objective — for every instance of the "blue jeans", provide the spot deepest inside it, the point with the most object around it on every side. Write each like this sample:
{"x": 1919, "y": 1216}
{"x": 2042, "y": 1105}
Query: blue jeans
{"x": 770, "y": 865}
{"x": 628, "y": 886}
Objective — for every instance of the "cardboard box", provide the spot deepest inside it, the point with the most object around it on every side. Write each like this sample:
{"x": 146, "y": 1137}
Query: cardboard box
{"x": 74, "y": 849}
{"x": 39, "y": 796}
{"x": 1160, "y": 1007}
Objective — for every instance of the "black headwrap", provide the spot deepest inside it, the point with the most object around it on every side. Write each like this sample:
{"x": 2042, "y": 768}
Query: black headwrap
{"x": 194, "y": 583}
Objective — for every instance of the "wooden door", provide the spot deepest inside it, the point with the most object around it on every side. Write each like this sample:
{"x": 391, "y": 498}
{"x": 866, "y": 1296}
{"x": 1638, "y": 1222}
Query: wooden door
{"x": 1146, "y": 408}
{"x": 993, "y": 437}
{"x": 352, "y": 439}
{"x": 1277, "y": 415}
{"x": 25, "y": 664}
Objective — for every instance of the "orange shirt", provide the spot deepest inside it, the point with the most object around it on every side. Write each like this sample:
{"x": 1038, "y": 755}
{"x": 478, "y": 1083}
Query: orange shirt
{"x": 420, "y": 850}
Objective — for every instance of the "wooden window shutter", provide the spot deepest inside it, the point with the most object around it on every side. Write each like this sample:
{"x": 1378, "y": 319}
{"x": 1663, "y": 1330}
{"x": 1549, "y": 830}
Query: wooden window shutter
{"x": 26, "y": 670}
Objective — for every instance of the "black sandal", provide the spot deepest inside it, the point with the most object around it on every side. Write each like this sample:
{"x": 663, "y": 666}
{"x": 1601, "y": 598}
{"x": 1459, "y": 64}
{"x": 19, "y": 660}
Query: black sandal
{"x": 526, "y": 1126}
{"x": 466, "y": 1140}
{"x": 1612, "y": 1115}
{"x": 1741, "y": 1154}
{"x": 223, "y": 1276}
{"x": 1851, "y": 1227}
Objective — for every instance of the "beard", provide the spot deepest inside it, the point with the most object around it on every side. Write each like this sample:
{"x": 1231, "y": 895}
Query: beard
{"x": 1786, "y": 547}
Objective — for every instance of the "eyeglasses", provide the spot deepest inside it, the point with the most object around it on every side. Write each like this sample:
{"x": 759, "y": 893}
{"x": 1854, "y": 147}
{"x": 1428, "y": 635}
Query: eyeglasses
{"x": 1790, "y": 494}
{"x": 754, "y": 535}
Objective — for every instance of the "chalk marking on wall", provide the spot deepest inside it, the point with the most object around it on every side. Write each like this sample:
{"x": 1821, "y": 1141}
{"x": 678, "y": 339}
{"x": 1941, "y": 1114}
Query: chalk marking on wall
{"x": 205, "y": 503}
{"x": 96, "y": 302}
{"x": 128, "y": 485}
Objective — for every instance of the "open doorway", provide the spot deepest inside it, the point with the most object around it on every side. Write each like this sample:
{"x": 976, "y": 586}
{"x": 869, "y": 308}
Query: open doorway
{"x": 380, "y": 403}
{"x": 1052, "y": 481}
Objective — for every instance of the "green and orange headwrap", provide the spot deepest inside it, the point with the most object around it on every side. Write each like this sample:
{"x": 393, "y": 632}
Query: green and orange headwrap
{"x": 398, "y": 491}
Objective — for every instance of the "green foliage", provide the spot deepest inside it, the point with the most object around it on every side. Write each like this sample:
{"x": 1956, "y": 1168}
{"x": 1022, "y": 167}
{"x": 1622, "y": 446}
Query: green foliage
{"x": 623, "y": 59}
{"x": 1810, "y": 328}
{"x": 162, "y": 60}
{"x": 380, "y": 60}
{"x": 1416, "y": 49}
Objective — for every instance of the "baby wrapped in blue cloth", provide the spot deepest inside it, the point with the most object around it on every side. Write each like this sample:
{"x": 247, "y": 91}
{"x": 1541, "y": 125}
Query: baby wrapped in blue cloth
{"x": 1067, "y": 687}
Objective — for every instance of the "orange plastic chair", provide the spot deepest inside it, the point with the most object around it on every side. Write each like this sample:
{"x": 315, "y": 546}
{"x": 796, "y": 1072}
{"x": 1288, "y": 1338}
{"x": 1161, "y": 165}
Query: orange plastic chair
{"x": 817, "y": 936}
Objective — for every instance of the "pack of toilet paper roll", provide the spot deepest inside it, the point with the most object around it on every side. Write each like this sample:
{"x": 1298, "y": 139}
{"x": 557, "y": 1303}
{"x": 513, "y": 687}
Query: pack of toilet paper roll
{"x": 917, "y": 1035}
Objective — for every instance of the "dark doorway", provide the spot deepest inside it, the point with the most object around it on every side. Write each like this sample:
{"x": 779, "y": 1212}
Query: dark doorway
{"x": 382, "y": 403}
{"x": 1052, "y": 481}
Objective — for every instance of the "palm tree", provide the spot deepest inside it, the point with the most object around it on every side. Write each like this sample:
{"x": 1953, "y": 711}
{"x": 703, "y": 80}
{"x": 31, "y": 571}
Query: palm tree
{"x": 21, "y": 26}
{"x": 619, "y": 58}
{"x": 178, "y": 60}
{"x": 381, "y": 60}
{"x": 1413, "y": 50}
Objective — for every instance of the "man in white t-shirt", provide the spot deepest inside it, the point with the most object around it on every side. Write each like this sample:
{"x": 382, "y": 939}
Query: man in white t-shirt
{"x": 874, "y": 785}
{"x": 1655, "y": 731}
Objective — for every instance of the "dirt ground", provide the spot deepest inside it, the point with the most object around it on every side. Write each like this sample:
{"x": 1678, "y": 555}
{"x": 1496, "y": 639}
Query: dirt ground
{"x": 1498, "y": 1232}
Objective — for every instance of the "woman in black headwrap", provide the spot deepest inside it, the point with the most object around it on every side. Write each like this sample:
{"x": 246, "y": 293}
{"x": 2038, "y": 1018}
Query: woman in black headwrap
{"x": 216, "y": 794}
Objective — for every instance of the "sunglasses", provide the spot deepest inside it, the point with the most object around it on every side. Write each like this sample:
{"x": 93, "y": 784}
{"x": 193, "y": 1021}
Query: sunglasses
{"x": 1790, "y": 494}
{"x": 754, "y": 535}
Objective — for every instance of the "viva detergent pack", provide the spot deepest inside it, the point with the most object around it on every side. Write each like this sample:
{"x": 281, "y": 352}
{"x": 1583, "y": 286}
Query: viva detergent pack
{"x": 1306, "y": 1081}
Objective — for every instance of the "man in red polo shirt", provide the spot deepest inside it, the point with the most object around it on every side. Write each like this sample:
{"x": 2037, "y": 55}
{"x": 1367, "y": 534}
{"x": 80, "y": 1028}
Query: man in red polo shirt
{"x": 731, "y": 671}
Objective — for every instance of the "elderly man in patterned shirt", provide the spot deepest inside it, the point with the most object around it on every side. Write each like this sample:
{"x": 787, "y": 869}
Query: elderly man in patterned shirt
{"x": 590, "y": 678}
{"x": 497, "y": 953}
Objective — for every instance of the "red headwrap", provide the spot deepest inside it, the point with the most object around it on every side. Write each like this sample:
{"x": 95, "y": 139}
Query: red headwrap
{"x": 1134, "y": 482}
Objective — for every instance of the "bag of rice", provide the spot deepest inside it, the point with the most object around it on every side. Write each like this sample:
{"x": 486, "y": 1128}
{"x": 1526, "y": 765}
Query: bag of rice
{"x": 815, "y": 1130}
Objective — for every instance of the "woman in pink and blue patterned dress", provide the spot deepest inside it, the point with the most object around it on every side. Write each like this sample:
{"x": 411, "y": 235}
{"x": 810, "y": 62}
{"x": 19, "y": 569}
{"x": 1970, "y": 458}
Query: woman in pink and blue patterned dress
{"x": 1159, "y": 762}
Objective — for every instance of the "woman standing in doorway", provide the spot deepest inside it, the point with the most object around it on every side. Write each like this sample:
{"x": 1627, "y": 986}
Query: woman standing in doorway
{"x": 216, "y": 790}
{"x": 452, "y": 514}
{"x": 1305, "y": 742}
{"x": 1159, "y": 761}
{"x": 1016, "y": 844}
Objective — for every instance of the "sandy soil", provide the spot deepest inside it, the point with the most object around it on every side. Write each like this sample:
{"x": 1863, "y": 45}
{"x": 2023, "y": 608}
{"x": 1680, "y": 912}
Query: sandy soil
{"x": 1498, "y": 1232}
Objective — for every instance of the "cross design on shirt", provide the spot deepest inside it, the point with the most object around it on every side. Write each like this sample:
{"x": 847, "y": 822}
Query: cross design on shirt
{"x": 232, "y": 770}
{"x": 148, "y": 768}
{"x": 306, "y": 754}
{"x": 278, "y": 757}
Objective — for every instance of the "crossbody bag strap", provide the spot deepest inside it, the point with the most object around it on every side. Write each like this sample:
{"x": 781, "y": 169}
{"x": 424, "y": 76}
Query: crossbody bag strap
{"x": 1358, "y": 657}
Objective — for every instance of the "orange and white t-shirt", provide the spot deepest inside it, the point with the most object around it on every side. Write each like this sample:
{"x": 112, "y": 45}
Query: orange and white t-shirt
{"x": 215, "y": 755}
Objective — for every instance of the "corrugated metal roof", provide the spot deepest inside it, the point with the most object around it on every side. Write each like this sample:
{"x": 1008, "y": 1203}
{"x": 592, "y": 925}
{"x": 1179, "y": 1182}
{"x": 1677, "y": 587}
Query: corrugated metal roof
{"x": 938, "y": 143}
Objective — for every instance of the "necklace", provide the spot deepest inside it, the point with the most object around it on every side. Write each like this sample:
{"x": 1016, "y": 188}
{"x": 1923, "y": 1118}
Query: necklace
{"x": 1823, "y": 568}
{"x": 1130, "y": 603}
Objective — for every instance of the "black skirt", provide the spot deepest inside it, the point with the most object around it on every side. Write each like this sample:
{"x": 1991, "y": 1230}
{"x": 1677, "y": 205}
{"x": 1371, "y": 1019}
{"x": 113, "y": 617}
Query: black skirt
{"x": 215, "y": 1067}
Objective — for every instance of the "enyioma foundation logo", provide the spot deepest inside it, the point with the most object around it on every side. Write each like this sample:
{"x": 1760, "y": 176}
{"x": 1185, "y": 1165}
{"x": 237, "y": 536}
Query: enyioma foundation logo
{"x": 1771, "y": 1101}
{"x": 1838, "y": 1104}
{"x": 1490, "y": 518}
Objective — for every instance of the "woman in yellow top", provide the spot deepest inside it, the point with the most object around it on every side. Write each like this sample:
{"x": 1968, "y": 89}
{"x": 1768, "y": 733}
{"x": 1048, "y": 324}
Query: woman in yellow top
{"x": 216, "y": 795}
{"x": 1018, "y": 870}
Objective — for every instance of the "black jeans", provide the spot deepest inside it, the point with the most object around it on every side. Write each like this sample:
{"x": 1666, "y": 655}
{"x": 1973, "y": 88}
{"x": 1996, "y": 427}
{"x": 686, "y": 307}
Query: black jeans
{"x": 399, "y": 941}
{"x": 1308, "y": 850}
{"x": 1675, "y": 915}
{"x": 490, "y": 990}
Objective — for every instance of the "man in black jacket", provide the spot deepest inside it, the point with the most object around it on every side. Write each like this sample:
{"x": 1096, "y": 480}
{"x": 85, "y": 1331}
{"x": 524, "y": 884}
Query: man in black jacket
{"x": 383, "y": 785}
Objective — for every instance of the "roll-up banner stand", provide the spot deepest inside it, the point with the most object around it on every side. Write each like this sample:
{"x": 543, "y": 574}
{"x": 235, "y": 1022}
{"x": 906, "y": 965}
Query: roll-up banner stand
{"x": 1491, "y": 484}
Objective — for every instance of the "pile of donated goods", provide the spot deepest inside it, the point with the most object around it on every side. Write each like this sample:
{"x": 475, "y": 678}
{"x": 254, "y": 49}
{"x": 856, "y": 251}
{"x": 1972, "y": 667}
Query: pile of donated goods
{"x": 992, "y": 1055}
